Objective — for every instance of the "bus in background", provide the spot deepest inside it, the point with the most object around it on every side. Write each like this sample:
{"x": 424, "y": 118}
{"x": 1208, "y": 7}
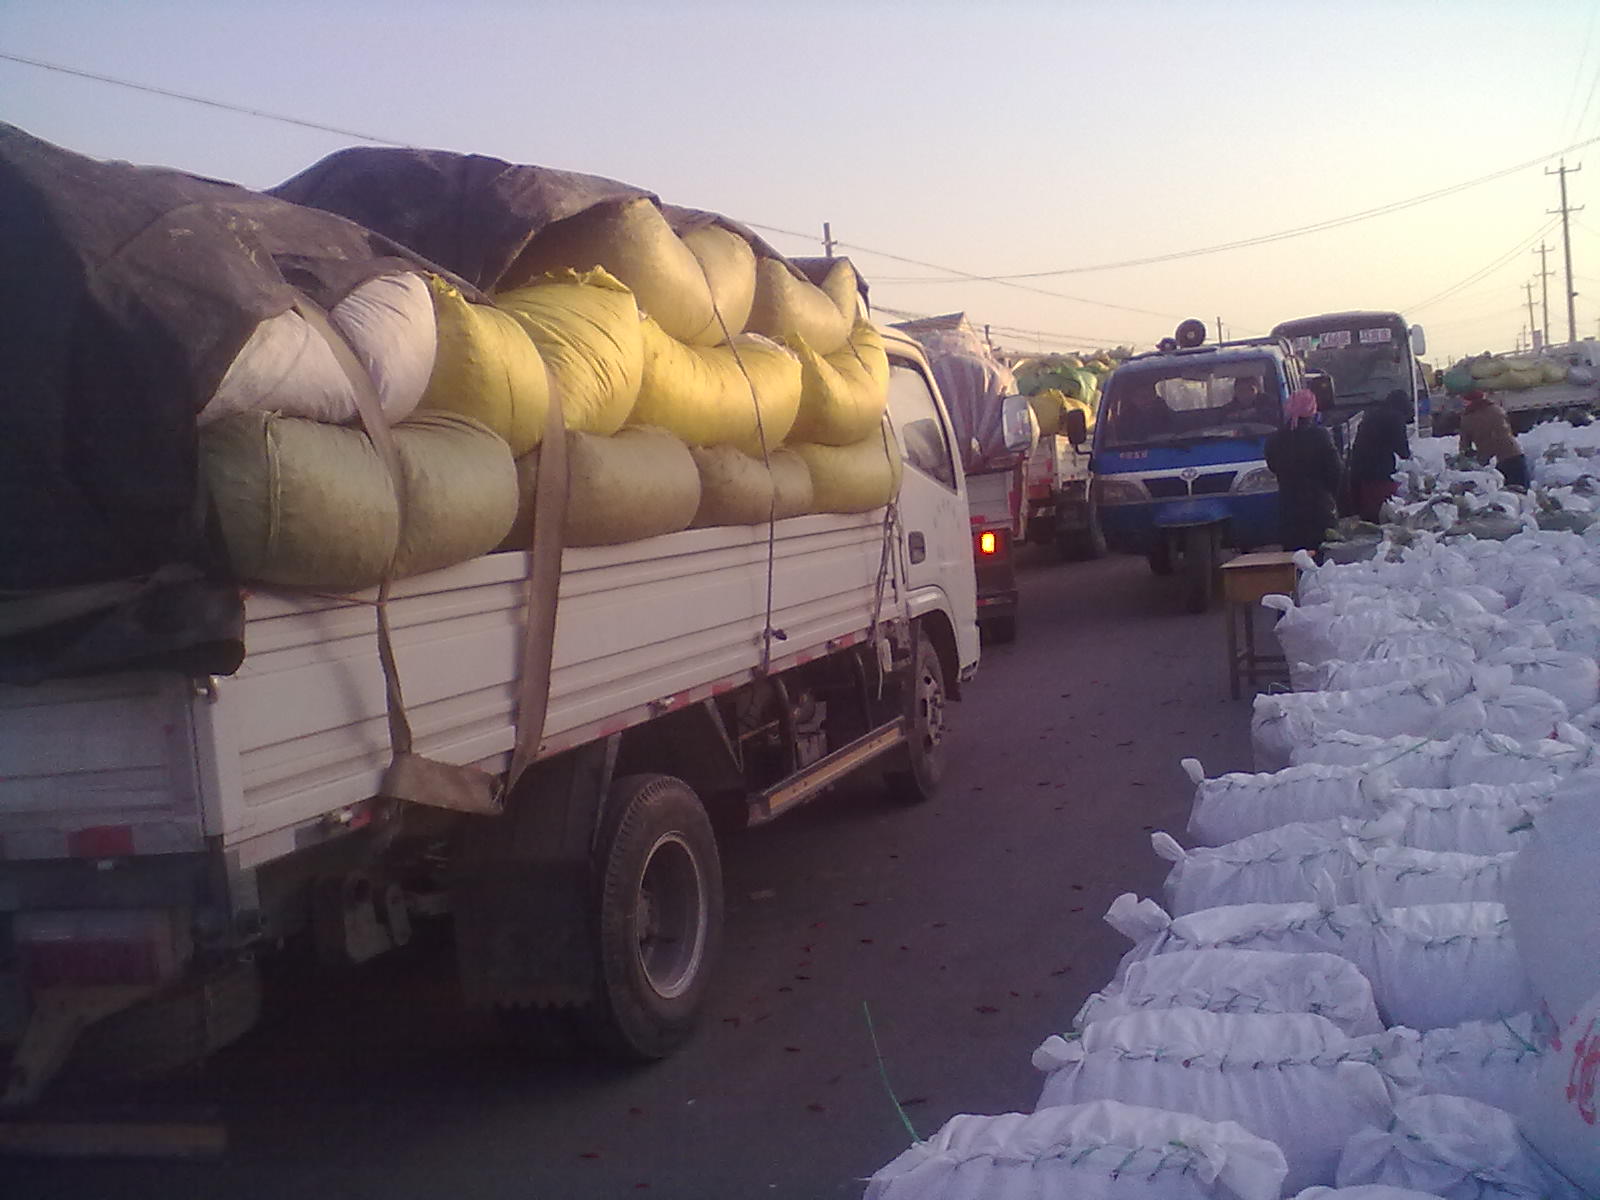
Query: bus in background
{"x": 1368, "y": 354}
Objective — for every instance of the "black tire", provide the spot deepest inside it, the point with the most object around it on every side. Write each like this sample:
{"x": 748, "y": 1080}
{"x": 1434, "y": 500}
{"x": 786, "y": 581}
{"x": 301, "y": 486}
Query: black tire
{"x": 659, "y": 919}
{"x": 1160, "y": 556}
{"x": 1200, "y": 566}
{"x": 921, "y": 767}
{"x": 178, "y": 1027}
{"x": 1083, "y": 545}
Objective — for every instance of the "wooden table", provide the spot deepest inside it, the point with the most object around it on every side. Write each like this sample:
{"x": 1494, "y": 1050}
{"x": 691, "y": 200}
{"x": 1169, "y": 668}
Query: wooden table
{"x": 1245, "y": 580}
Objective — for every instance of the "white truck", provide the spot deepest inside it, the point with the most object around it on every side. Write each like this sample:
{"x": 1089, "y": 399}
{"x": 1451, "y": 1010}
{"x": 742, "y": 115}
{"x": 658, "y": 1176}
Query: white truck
{"x": 1057, "y": 474}
{"x": 1555, "y": 382}
{"x": 157, "y": 831}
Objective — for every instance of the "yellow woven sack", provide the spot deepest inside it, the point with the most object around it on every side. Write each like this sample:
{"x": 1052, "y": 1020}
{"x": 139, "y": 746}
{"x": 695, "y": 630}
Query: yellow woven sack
{"x": 1047, "y": 407}
{"x": 586, "y": 328}
{"x": 460, "y": 491}
{"x": 632, "y": 241}
{"x": 791, "y": 484}
{"x": 730, "y": 269}
{"x": 486, "y": 368}
{"x": 841, "y": 286}
{"x": 854, "y": 478}
{"x": 842, "y": 395}
{"x": 701, "y": 394}
{"x": 735, "y": 489}
{"x": 638, "y": 483}
{"x": 787, "y": 307}
{"x": 300, "y": 503}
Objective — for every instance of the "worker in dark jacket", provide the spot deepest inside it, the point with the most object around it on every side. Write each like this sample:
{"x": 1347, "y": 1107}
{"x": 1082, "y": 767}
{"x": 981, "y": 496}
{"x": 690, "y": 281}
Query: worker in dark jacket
{"x": 1380, "y": 445}
{"x": 1303, "y": 458}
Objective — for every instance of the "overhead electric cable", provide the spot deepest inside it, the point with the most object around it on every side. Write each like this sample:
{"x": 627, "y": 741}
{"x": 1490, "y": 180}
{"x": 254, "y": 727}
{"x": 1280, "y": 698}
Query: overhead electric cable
{"x": 192, "y": 99}
{"x": 1483, "y": 272}
{"x": 1281, "y": 235}
{"x": 1567, "y": 127}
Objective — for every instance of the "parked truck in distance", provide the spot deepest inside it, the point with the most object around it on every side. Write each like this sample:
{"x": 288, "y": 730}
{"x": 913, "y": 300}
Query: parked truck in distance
{"x": 996, "y": 433}
{"x": 1558, "y": 381}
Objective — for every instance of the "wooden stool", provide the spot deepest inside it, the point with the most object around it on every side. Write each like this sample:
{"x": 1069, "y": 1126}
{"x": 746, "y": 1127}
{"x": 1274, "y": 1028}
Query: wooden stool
{"x": 1245, "y": 580}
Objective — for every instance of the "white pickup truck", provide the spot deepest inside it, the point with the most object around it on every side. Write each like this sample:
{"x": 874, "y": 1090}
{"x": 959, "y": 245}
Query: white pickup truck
{"x": 157, "y": 830}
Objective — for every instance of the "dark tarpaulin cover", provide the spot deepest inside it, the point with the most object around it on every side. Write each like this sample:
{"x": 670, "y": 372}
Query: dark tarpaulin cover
{"x": 469, "y": 212}
{"x": 129, "y": 292}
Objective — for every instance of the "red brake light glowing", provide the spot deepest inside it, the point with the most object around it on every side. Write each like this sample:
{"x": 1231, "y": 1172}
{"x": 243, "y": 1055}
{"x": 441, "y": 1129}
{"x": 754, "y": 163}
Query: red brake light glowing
{"x": 988, "y": 543}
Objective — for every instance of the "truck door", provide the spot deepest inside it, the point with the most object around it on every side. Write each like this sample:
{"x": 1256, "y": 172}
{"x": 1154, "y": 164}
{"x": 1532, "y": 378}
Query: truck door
{"x": 936, "y": 541}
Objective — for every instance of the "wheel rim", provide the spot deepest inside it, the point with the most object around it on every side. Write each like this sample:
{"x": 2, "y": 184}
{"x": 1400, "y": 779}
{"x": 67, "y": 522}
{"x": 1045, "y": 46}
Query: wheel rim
{"x": 930, "y": 711}
{"x": 670, "y": 917}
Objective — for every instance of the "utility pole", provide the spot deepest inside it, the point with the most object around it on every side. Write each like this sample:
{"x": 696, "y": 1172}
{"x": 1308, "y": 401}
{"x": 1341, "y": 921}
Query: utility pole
{"x": 1544, "y": 286}
{"x": 827, "y": 240}
{"x": 1219, "y": 329}
{"x": 1528, "y": 287}
{"x": 1566, "y": 240}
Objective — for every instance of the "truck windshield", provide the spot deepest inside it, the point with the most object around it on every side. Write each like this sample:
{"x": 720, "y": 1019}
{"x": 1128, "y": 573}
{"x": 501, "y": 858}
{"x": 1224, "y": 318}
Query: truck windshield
{"x": 1190, "y": 401}
{"x": 1367, "y": 358}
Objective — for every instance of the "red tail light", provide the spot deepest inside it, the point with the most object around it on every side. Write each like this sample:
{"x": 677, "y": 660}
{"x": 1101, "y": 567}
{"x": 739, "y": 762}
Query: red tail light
{"x": 988, "y": 543}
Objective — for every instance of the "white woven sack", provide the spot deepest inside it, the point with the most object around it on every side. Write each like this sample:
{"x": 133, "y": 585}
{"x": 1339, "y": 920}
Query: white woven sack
{"x": 1553, "y": 896}
{"x": 1229, "y": 807}
{"x": 1407, "y": 761}
{"x": 285, "y": 366}
{"x": 1241, "y": 981}
{"x": 1450, "y": 675}
{"x": 1293, "y": 928}
{"x": 1098, "y": 1151}
{"x": 1452, "y": 1147}
{"x": 1280, "y": 722}
{"x": 1562, "y": 1116}
{"x": 1372, "y": 1191}
{"x": 1396, "y": 876}
{"x": 1433, "y": 965}
{"x": 1495, "y": 1062}
{"x": 1473, "y": 818}
{"x": 1298, "y": 861}
{"x": 389, "y": 323}
{"x": 1292, "y": 1078}
{"x": 1495, "y": 758}
{"x": 1316, "y": 633}
{"x": 1572, "y": 678}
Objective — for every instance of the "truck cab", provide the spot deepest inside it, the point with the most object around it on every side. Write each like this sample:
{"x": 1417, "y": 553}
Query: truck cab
{"x": 1179, "y": 463}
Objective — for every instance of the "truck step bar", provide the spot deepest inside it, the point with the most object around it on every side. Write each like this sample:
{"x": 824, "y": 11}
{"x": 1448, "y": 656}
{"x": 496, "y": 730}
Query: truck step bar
{"x": 764, "y": 806}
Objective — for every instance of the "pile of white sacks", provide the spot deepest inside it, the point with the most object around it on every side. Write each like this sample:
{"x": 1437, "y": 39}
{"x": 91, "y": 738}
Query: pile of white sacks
{"x": 1376, "y": 973}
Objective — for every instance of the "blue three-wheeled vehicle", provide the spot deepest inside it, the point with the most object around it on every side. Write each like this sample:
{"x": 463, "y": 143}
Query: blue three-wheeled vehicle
{"x": 1179, "y": 465}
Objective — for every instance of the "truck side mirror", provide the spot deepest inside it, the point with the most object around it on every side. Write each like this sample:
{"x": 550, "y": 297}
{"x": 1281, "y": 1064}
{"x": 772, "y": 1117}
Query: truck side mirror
{"x": 1419, "y": 341}
{"x": 1076, "y": 425}
{"x": 1019, "y": 428}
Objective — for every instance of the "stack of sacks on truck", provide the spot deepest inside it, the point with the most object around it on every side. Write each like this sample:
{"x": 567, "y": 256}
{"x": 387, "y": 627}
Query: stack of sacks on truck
{"x": 703, "y": 379}
{"x": 1382, "y": 955}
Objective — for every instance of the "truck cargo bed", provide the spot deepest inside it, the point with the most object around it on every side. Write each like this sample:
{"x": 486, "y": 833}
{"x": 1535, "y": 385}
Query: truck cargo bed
{"x": 261, "y": 759}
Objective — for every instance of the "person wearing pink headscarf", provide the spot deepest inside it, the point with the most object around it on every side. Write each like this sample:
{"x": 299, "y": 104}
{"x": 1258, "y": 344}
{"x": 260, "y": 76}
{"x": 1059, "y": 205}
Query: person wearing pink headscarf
{"x": 1303, "y": 457}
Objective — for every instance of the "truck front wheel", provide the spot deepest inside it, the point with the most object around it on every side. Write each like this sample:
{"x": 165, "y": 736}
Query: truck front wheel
{"x": 659, "y": 919}
{"x": 918, "y": 779}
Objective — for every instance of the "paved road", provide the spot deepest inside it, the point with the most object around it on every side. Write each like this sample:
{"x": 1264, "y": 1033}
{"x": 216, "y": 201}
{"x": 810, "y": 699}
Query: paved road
{"x": 968, "y": 930}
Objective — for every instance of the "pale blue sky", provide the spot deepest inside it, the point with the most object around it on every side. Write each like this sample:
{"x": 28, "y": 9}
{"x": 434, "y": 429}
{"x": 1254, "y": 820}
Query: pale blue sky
{"x": 1005, "y": 137}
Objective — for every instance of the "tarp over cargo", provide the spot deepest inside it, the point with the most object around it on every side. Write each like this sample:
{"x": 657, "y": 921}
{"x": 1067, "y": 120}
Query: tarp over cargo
{"x": 131, "y": 291}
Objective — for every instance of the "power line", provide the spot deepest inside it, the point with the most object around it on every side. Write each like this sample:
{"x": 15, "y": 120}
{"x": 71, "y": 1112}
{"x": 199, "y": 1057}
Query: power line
{"x": 1299, "y": 230}
{"x": 192, "y": 99}
{"x": 1567, "y": 129}
{"x": 1480, "y": 274}
{"x": 961, "y": 276}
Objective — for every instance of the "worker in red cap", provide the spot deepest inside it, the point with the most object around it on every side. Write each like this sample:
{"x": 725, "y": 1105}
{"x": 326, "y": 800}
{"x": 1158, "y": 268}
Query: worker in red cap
{"x": 1486, "y": 434}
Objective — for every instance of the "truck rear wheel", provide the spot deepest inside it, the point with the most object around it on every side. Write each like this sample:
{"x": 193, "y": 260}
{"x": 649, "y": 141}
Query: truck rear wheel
{"x": 918, "y": 780}
{"x": 659, "y": 919}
